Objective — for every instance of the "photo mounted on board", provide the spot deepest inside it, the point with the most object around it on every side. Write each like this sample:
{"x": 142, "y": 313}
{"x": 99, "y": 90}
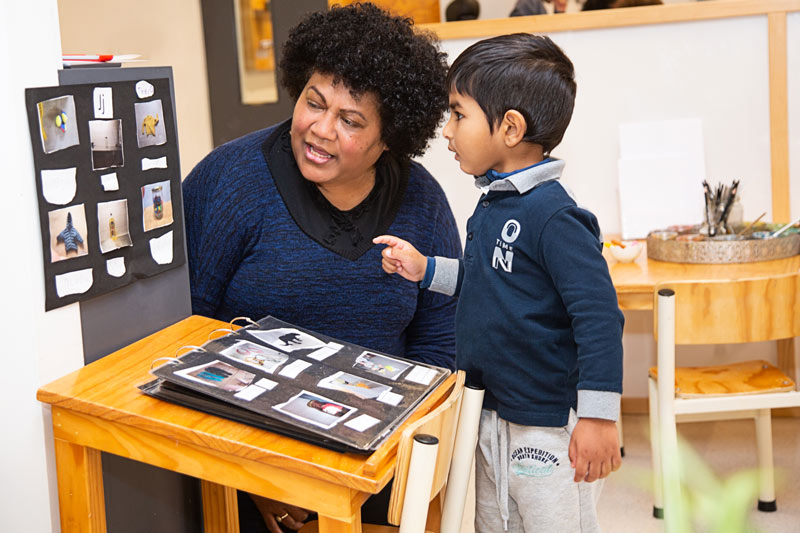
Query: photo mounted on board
{"x": 360, "y": 387}
{"x": 57, "y": 125}
{"x": 150, "y": 130}
{"x": 315, "y": 409}
{"x": 105, "y": 137}
{"x": 219, "y": 375}
{"x": 156, "y": 205}
{"x": 381, "y": 365}
{"x": 112, "y": 225}
{"x": 255, "y": 355}
{"x": 67, "y": 233}
{"x": 287, "y": 339}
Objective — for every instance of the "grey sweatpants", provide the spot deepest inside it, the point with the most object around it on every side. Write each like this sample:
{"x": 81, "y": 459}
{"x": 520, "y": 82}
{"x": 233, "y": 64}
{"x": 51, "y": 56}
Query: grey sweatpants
{"x": 523, "y": 478}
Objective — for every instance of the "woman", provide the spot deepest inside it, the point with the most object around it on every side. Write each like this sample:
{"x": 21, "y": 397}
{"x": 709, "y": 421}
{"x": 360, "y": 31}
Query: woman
{"x": 280, "y": 222}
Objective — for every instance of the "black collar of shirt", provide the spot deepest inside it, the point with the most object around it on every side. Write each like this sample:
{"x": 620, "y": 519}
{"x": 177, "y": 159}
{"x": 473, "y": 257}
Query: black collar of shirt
{"x": 346, "y": 233}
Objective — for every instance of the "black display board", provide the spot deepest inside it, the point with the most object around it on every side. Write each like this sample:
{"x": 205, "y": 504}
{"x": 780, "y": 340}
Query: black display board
{"x": 108, "y": 183}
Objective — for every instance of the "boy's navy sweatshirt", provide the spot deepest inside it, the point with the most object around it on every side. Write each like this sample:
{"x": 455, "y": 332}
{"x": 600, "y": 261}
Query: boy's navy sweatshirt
{"x": 537, "y": 321}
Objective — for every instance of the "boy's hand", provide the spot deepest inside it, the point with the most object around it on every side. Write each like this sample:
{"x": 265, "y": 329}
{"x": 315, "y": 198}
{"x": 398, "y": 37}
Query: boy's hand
{"x": 594, "y": 449}
{"x": 401, "y": 258}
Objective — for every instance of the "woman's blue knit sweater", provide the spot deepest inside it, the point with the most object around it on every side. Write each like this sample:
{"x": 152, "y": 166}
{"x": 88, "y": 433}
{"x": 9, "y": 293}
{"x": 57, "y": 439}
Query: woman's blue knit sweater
{"x": 248, "y": 257}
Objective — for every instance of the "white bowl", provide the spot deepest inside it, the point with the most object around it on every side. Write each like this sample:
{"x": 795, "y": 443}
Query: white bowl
{"x": 627, "y": 254}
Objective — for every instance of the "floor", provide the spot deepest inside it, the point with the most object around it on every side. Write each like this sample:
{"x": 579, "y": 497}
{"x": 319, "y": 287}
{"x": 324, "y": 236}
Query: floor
{"x": 726, "y": 446}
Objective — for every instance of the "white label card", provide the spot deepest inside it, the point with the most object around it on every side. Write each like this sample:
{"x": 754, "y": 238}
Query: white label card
{"x": 320, "y": 354}
{"x": 390, "y": 397}
{"x": 148, "y": 163}
{"x": 421, "y": 374}
{"x": 249, "y": 393}
{"x": 76, "y": 282}
{"x": 161, "y": 249}
{"x": 362, "y": 423}
{"x": 294, "y": 369}
{"x": 103, "y": 105}
{"x": 110, "y": 182}
{"x": 115, "y": 266}
{"x": 59, "y": 185}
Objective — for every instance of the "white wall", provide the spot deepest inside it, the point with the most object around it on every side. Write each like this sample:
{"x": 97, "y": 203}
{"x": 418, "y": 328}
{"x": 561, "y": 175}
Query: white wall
{"x": 714, "y": 70}
{"x": 37, "y": 346}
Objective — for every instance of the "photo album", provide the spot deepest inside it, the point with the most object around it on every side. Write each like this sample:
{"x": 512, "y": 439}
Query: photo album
{"x": 293, "y": 381}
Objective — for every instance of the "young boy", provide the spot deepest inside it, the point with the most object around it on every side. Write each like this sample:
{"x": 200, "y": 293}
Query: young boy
{"x": 537, "y": 321}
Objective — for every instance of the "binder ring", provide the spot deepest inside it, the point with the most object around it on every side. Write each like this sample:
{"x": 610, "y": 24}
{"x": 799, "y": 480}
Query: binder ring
{"x": 246, "y": 319}
{"x": 219, "y": 330}
{"x": 191, "y": 348}
{"x": 170, "y": 361}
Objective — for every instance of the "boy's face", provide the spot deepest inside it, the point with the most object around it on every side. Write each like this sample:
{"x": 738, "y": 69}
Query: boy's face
{"x": 470, "y": 137}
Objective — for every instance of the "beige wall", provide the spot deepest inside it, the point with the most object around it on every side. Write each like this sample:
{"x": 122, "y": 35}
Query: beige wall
{"x": 166, "y": 34}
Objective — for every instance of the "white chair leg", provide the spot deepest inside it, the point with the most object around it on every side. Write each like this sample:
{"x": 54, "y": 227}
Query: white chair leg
{"x": 674, "y": 513}
{"x": 675, "y": 517}
{"x": 655, "y": 449}
{"x": 766, "y": 470}
{"x": 619, "y": 434}
{"x": 461, "y": 464}
{"x": 418, "y": 486}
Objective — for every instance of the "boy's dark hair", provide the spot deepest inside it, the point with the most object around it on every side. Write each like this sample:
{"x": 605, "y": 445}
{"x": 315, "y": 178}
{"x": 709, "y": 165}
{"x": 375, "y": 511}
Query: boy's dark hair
{"x": 520, "y": 71}
{"x": 370, "y": 50}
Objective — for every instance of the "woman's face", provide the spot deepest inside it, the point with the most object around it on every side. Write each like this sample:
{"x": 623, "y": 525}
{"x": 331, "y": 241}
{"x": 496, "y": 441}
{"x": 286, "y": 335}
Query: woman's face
{"x": 336, "y": 138}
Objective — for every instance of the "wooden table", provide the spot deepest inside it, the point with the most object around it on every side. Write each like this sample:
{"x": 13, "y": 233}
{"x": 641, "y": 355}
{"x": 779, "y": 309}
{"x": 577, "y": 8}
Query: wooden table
{"x": 636, "y": 281}
{"x": 99, "y": 408}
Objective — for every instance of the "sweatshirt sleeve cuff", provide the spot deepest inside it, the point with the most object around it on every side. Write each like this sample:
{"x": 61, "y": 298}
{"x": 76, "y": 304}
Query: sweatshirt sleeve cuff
{"x": 429, "y": 270}
{"x": 598, "y": 404}
{"x": 445, "y": 275}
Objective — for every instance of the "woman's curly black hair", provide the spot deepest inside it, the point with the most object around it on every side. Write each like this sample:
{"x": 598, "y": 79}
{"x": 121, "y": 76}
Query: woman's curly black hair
{"x": 370, "y": 50}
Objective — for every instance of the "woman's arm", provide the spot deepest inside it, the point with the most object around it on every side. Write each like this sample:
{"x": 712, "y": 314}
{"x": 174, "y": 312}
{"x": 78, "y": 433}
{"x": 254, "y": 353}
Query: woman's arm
{"x": 216, "y": 239}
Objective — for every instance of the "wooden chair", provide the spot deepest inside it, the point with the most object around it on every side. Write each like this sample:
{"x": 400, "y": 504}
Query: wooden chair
{"x": 718, "y": 312}
{"x": 434, "y": 451}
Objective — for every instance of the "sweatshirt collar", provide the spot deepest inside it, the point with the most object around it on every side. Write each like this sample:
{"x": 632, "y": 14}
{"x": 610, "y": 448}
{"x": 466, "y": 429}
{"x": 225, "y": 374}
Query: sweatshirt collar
{"x": 522, "y": 180}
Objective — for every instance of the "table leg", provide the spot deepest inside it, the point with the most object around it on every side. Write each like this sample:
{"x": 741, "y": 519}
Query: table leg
{"x": 80, "y": 488}
{"x": 220, "y": 508}
{"x": 329, "y": 525}
{"x": 786, "y": 357}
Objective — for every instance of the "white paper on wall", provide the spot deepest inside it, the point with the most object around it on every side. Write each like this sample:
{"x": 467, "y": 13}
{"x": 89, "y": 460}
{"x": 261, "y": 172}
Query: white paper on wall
{"x": 115, "y": 266}
{"x": 76, "y": 282}
{"x": 59, "y": 185}
{"x": 103, "y": 103}
{"x": 661, "y": 171}
{"x": 109, "y": 182}
{"x": 148, "y": 163}
{"x": 161, "y": 249}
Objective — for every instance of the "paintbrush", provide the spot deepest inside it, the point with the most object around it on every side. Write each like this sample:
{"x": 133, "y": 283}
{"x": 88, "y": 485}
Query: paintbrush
{"x": 750, "y": 225}
{"x": 729, "y": 195}
{"x": 784, "y": 228}
{"x": 709, "y": 219}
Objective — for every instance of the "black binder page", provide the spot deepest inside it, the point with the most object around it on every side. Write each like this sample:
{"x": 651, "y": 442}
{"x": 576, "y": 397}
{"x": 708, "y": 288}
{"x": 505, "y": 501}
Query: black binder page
{"x": 307, "y": 383}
